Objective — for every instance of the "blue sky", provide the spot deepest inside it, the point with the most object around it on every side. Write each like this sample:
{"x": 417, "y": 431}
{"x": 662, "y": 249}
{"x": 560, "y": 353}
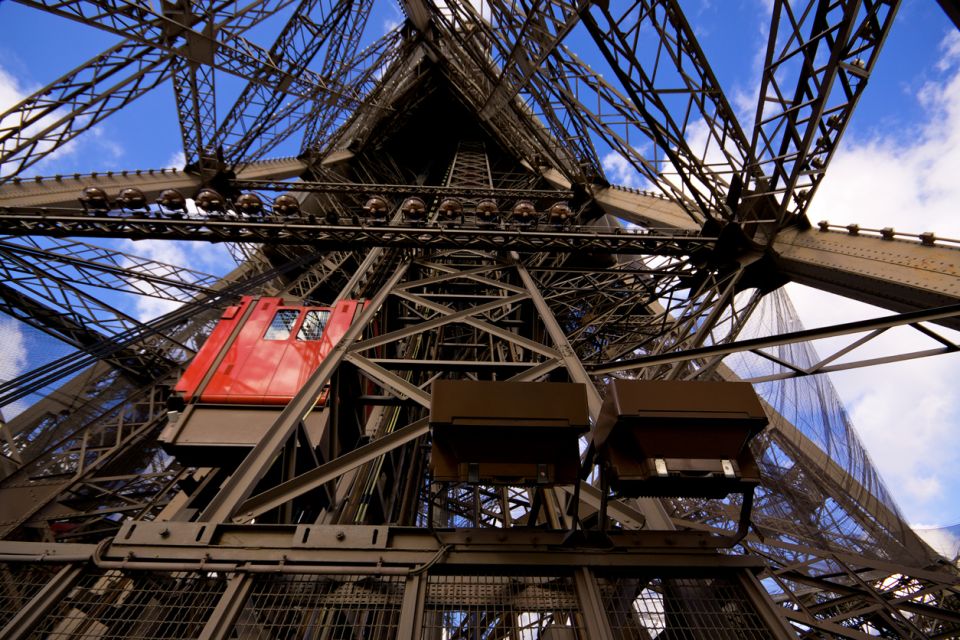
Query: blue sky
{"x": 897, "y": 166}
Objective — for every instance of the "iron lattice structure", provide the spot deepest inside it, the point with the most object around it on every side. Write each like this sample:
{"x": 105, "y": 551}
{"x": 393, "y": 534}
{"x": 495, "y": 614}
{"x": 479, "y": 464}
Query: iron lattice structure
{"x": 329, "y": 525}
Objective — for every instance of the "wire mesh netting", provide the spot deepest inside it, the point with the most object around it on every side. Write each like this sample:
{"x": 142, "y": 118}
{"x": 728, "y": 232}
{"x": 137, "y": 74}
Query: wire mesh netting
{"x": 680, "y": 609}
{"x": 19, "y": 582}
{"x": 508, "y": 607}
{"x": 810, "y": 403}
{"x": 800, "y": 498}
{"x": 301, "y": 606}
{"x": 143, "y": 605}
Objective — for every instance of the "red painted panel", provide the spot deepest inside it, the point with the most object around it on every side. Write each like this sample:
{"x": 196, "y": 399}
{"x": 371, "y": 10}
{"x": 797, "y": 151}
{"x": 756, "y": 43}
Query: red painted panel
{"x": 255, "y": 370}
{"x": 245, "y": 372}
{"x": 201, "y": 362}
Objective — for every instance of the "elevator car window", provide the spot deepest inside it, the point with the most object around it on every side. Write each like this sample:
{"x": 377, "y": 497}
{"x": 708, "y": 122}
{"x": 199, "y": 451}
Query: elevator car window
{"x": 313, "y": 324}
{"x": 281, "y": 325}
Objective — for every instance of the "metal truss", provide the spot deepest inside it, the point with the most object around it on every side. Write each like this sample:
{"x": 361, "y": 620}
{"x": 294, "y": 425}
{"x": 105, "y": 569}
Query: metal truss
{"x": 69, "y": 310}
{"x": 225, "y": 50}
{"x": 674, "y": 78}
{"x": 69, "y": 469}
{"x": 539, "y": 30}
{"x": 302, "y": 38}
{"x": 367, "y": 189}
{"x": 330, "y": 236}
{"x": 325, "y": 119}
{"x": 195, "y": 91}
{"x": 330, "y": 521}
{"x": 818, "y": 60}
{"x": 90, "y": 265}
{"x": 80, "y": 99}
{"x": 474, "y": 77}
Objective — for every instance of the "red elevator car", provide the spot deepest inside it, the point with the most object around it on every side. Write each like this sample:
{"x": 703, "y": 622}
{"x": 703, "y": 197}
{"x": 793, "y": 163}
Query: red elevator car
{"x": 263, "y": 350}
{"x": 255, "y": 361}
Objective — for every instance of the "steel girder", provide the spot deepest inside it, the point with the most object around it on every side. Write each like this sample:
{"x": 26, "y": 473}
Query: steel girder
{"x": 539, "y": 28}
{"x": 679, "y": 81}
{"x": 74, "y": 331}
{"x": 90, "y": 265}
{"x": 476, "y": 79}
{"x": 195, "y": 91}
{"x": 17, "y": 222}
{"x": 891, "y": 271}
{"x": 367, "y": 189}
{"x": 78, "y": 307}
{"x": 64, "y": 191}
{"x": 908, "y": 273}
{"x": 325, "y": 119}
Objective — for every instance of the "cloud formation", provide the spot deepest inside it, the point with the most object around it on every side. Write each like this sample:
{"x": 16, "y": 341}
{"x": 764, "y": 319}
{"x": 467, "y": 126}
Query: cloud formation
{"x": 619, "y": 171}
{"x": 10, "y": 91}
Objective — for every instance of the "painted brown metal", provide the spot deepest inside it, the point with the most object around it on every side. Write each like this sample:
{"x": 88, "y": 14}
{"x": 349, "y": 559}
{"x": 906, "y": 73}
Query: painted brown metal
{"x": 679, "y": 438}
{"x": 514, "y": 433}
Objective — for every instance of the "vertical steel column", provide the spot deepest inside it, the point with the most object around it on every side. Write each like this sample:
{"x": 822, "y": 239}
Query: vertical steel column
{"x": 228, "y": 608}
{"x": 411, "y": 612}
{"x": 594, "y": 616}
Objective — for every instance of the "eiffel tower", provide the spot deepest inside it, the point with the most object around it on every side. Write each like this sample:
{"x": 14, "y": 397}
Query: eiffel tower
{"x": 449, "y": 199}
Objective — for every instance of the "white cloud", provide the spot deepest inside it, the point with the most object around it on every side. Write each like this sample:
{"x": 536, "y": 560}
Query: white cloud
{"x": 390, "y": 24}
{"x": 208, "y": 258}
{"x": 620, "y": 171}
{"x": 744, "y": 96}
{"x": 177, "y": 160}
{"x": 914, "y": 187}
{"x": 951, "y": 50}
{"x": 149, "y": 307}
{"x": 10, "y": 91}
{"x": 945, "y": 540}
{"x": 111, "y": 147}
{"x": 907, "y": 414}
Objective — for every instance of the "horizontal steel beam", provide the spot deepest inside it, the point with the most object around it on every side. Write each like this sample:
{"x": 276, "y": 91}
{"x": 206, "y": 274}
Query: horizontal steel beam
{"x": 64, "y": 190}
{"x": 68, "y": 223}
{"x": 360, "y": 188}
{"x": 644, "y": 208}
{"x": 893, "y": 274}
{"x": 327, "y": 548}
